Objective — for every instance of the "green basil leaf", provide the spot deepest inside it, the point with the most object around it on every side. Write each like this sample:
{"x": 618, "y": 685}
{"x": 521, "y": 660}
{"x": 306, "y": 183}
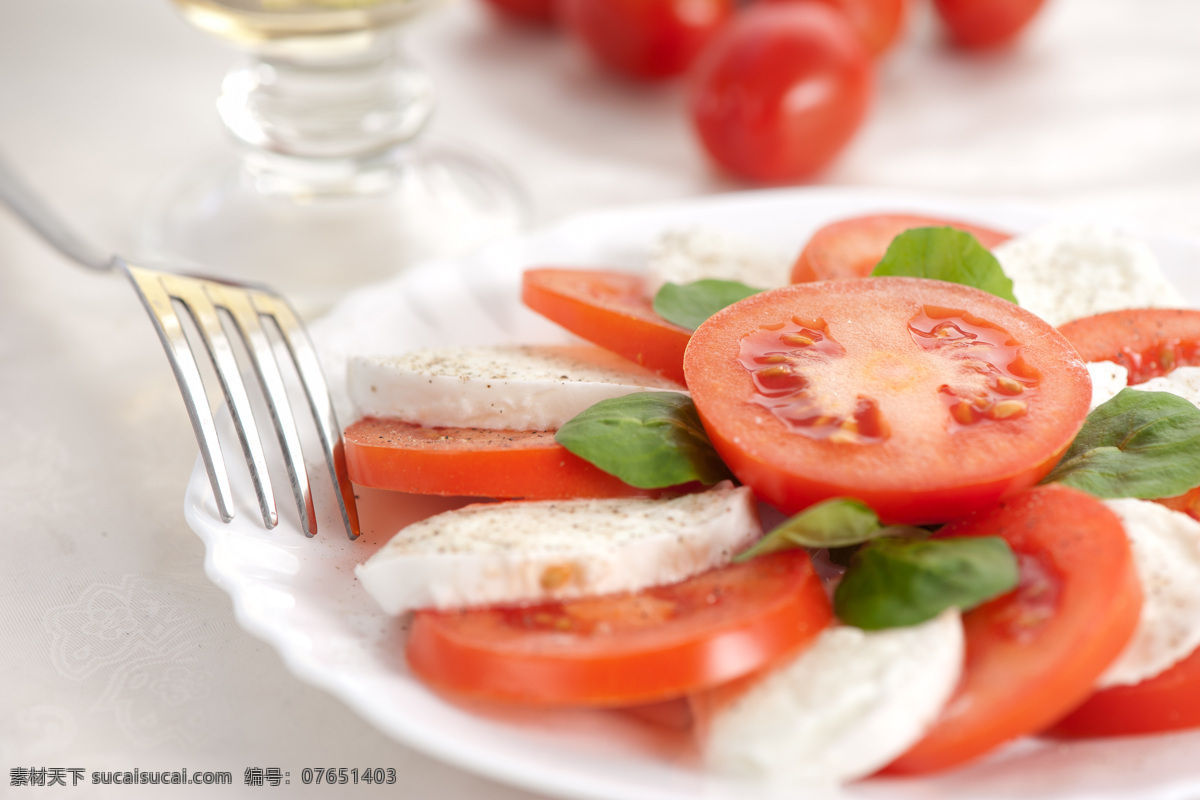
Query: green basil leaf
{"x": 689, "y": 304}
{"x": 894, "y": 582}
{"x": 647, "y": 439}
{"x": 1138, "y": 444}
{"x": 837, "y": 522}
{"x": 945, "y": 254}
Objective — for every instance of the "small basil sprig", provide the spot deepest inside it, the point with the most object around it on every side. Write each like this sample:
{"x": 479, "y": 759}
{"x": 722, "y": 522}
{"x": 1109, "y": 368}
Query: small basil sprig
{"x": 898, "y": 576}
{"x": 945, "y": 254}
{"x": 834, "y": 523}
{"x": 689, "y": 304}
{"x": 1138, "y": 444}
{"x": 650, "y": 440}
{"x": 894, "y": 582}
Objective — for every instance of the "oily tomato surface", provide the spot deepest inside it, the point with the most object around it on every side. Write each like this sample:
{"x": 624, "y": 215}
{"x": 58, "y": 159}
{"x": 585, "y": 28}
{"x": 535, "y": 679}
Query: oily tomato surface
{"x": 625, "y": 649}
{"x": 850, "y": 248}
{"x": 922, "y": 398}
{"x": 1034, "y": 653}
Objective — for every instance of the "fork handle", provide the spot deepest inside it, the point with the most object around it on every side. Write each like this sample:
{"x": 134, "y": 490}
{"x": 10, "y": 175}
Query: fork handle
{"x": 17, "y": 195}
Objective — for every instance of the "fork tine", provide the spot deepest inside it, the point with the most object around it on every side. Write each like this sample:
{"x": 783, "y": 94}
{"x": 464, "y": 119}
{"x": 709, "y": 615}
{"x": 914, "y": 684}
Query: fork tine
{"x": 183, "y": 363}
{"x": 201, "y": 296}
{"x": 304, "y": 356}
{"x": 246, "y": 318}
{"x": 196, "y": 299}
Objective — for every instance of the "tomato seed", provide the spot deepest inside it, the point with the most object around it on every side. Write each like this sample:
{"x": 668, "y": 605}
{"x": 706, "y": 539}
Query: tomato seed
{"x": 1007, "y": 409}
{"x": 963, "y": 413}
{"x": 1006, "y": 385}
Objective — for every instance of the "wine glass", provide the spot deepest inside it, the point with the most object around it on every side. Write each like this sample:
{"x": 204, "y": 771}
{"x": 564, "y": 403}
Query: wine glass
{"x": 329, "y": 185}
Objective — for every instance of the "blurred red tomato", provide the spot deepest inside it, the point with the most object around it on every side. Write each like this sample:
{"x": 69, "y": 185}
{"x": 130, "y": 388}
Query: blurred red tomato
{"x": 540, "y": 12}
{"x": 986, "y": 23}
{"x": 878, "y": 22}
{"x": 644, "y": 39}
{"x": 780, "y": 90}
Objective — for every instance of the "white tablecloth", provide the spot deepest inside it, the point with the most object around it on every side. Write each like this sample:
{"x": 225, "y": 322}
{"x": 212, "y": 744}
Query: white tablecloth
{"x": 118, "y": 653}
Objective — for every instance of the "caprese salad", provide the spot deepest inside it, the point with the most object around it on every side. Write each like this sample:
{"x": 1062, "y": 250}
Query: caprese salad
{"x": 881, "y": 508}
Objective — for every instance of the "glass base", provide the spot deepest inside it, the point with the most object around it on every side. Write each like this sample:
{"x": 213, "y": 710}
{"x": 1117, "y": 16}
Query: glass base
{"x": 313, "y": 236}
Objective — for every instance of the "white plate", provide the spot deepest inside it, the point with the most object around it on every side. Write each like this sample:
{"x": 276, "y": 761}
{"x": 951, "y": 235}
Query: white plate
{"x": 301, "y": 596}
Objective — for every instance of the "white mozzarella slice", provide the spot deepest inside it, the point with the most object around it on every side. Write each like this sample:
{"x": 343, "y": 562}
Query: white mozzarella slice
{"x": 1182, "y": 381}
{"x": 843, "y": 709}
{"x": 1108, "y": 379}
{"x": 684, "y": 256}
{"x": 1065, "y": 271}
{"x": 503, "y": 388}
{"x": 520, "y": 552}
{"x": 1166, "y": 550}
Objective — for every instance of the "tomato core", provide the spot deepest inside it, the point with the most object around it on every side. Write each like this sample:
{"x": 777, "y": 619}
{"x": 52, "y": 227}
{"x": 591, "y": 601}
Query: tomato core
{"x": 798, "y": 366}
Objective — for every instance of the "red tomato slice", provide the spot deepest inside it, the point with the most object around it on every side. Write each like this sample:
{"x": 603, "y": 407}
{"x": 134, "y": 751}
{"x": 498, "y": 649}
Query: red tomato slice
{"x": 625, "y": 649}
{"x": 924, "y": 399}
{"x": 610, "y": 309}
{"x": 1167, "y": 702}
{"x": 1033, "y": 654}
{"x": 976, "y": 24}
{"x": 1149, "y": 342}
{"x": 403, "y": 457}
{"x": 851, "y": 248}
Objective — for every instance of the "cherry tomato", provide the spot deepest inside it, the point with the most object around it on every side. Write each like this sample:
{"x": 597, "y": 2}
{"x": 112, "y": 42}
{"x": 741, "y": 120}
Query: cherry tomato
{"x": 986, "y": 23}
{"x": 1148, "y": 342}
{"x": 610, "y": 309}
{"x": 625, "y": 649}
{"x": 878, "y": 22}
{"x": 850, "y": 248}
{"x": 1033, "y": 654}
{"x": 537, "y": 12}
{"x": 780, "y": 91}
{"x": 403, "y": 457}
{"x": 924, "y": 399}
{"x": 1169, "y": 701}
{"x": 644, "y": 39}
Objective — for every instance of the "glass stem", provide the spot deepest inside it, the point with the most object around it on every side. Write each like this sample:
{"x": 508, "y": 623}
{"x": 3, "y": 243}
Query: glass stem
{"x": 312, "y": 122}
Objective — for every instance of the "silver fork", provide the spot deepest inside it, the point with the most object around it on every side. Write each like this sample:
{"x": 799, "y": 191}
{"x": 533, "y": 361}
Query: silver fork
{"x": 247, "y": 307}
